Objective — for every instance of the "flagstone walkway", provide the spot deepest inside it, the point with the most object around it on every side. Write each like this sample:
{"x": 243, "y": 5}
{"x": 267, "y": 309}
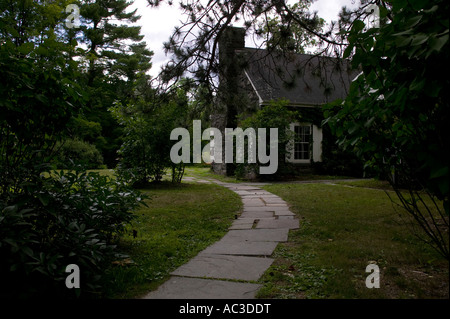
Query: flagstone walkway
{"x": 230, "y": 268}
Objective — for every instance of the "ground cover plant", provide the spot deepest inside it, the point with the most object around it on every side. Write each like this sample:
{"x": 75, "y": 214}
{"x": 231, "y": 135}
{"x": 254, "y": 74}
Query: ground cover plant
{"x": 343, "y": 228}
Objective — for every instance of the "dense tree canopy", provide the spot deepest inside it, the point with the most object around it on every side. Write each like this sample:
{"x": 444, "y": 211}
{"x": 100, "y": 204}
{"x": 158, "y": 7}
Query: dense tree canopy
{"x": 115, "y": 61}
{"x": 39, "y": 85}
{"x": 290, "y": 36}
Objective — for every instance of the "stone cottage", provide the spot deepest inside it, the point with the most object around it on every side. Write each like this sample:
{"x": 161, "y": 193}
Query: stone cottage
{"x": 250, "y": 78}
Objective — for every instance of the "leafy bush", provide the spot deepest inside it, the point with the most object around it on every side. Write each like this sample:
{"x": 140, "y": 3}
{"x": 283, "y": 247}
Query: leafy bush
{"x": 145, "y": 152}
{"x": 68, "y": 218}
{"x": 336, "y": 161}
{"x": 274, "y": 115}
{"x": 79, "y": 153}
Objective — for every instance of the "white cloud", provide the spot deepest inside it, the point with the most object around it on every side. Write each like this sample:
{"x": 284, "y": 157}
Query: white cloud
{"x": 329, "y": 9}
{"x": 157, "y": 25}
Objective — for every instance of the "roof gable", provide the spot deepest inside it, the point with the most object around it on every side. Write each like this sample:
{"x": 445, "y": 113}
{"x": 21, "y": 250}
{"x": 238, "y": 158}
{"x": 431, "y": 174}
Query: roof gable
{"x": 303, "y": 79}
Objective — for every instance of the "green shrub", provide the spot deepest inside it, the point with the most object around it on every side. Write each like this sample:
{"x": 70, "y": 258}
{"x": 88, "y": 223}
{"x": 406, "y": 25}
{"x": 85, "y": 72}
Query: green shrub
{"x": 275, "y": 115}
{"x": 67, "y": 218}
{"x": 145, "y": 152}
{"x": 75, "y": 151}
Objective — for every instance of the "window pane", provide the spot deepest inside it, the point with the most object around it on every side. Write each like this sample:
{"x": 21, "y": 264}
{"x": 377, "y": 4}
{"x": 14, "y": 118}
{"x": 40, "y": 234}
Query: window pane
{"x": 301, "y": 144}
{"x": 307, "y": 130}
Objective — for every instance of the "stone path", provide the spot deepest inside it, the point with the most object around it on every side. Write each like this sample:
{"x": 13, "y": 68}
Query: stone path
{"x": 229, "y": 268}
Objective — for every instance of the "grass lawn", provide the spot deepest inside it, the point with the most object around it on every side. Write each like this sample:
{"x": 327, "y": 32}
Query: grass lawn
{"x": 205, "y": 172}
{"x": 181, "y": 220}
{"x": 342, "y": 230}
{"x": 344, "y": 226}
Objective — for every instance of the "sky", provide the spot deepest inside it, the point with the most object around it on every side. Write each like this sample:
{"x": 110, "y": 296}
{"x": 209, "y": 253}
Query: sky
{"x": 157, "y": 24}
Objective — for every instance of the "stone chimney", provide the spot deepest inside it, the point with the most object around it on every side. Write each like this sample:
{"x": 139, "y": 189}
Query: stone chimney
{"x": 232, "y": 39}
{"x": 224, "y": 114}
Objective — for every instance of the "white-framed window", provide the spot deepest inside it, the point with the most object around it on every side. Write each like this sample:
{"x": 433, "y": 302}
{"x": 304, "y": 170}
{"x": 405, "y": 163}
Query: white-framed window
{"x": 302, "y": 140}
{"x": 306, "y": 145}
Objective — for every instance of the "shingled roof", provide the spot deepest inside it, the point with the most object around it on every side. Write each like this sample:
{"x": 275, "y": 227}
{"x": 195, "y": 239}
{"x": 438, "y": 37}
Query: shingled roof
{"x": 303, "y": 79}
